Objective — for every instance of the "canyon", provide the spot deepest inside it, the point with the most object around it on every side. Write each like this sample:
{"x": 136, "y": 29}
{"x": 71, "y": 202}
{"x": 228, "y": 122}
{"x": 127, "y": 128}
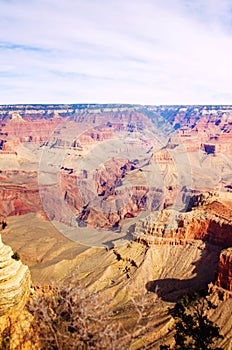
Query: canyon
{"x": 132, "y": 202}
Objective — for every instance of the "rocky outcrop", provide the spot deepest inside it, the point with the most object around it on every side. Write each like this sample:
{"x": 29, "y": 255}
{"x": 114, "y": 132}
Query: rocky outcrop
{"x": 197, "y": 224}
{"x": 224, "y": 271}
{"x": 29, "y": 131}
{"x": 19, "y": 200}
{"x": 14, "y": 280}
{"x": 199, "y": 199}
{"x": 19, "y": 192}
{"x": 211, "y": 223}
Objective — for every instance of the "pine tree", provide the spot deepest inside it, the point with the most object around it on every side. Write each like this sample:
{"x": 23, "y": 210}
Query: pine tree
{"x": 193, "y": 329}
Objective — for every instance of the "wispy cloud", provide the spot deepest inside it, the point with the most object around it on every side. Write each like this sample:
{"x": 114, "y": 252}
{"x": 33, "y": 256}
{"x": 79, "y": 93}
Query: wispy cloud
{"x": 140, "y": 51}
{"x": 10, "y": 46}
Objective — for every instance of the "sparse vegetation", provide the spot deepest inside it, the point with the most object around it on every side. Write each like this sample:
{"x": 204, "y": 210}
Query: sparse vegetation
{"x": 193, "y": 329}
{"x": 16, "y": 256}
{"x": 65, "y": 318}
{"x": 5, "y": 338}
{"x": 4, "y": 224}
{"x": 5, "y": 342}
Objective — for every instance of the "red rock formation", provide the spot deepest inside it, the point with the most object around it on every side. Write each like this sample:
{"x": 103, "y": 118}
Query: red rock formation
{"x": 25, "y": 130}
{"x": 211, "y": 223}
{"x": 224, "y": 272}
{"x": 197, "y": 224}
{"x": 21, "y": 198}
{"x": 18, "y": 200}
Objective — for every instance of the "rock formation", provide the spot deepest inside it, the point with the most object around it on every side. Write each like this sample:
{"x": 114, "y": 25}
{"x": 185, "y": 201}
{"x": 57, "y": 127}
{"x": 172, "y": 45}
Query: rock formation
{"x": 19, "y": 193}
{"x": 14, "y": 280}
{"x": 200, "y": 223}
{"x": 211, "y": 223}
{"x": 224, "y": 271}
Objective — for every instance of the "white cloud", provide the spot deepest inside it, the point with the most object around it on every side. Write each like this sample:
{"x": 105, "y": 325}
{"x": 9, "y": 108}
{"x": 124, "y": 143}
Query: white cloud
{"x": 140, "y": 51}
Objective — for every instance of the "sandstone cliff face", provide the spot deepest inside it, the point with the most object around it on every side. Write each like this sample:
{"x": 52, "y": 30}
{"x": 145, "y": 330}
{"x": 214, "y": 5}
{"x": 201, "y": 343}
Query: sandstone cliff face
{"x": 14, "y": 280}
{"x": 198, "y": 224}
{"x": 211, "y": 223}
{"x": 17, "y": 200}
{"x": 19, "y": 193}
{"x": 25, "y": 130}
{"x": 224, "y": 271}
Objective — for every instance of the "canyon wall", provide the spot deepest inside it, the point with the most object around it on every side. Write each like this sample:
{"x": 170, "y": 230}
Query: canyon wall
{"x": 200, "y": 223}
{"x": 211, "y": 223}
{"x": 224, "y": 270}
{"x": 159, "y": 168}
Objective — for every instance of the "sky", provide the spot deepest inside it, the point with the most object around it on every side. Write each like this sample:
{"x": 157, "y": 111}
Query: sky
{"x": 116, "y": 51}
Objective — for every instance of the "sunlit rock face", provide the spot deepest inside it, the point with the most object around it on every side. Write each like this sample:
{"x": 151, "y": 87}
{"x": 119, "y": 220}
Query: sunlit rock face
{"x": 224, "y": 273}
{"x": 15, "y": 280}
{"x": 211, "y": 222}
{"x": 19, "y": 192}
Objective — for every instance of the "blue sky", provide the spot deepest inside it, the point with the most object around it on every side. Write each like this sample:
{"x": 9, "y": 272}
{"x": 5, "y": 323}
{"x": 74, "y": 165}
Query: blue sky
{"x": 116, "y": 51}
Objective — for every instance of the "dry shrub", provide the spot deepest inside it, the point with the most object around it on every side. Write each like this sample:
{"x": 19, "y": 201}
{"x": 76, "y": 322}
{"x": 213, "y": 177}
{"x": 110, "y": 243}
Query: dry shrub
{"x": 66, "y": 318}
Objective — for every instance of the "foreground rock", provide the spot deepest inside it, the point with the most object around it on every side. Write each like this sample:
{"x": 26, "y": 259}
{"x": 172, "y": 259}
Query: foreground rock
{"x": 14, "y": 281}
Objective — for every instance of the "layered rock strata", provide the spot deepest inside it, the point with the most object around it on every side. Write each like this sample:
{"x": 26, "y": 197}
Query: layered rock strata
{"x": 211, "y": 223}
{"x": 197, "y": 224}
{"x": 15, "y": 280}
{"x": 145, "y": 170}
{"x": 224, "y": 272}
